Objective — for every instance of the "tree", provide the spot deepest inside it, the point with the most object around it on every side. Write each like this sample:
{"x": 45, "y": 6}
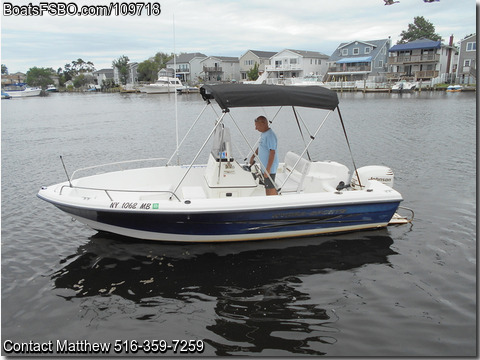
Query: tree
{"x": 4, "y": 69}
{"x": 79, "y": 66}
{"x": 147, "y": 71}
{"x": 122, "y": 66}
{"x": 252, "y": 74}
{"x": 420, "y": 29}
{"x": 40, "y": 77}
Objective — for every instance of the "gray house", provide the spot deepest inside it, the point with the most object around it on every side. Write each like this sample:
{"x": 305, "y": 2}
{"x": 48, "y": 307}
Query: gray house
{"x": 188, "y": 66}
{"x": 357, "y": 60}
{"x": 467, "y": 60}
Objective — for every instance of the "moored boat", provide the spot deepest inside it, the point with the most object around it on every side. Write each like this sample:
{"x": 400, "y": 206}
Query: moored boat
{"x": 163, "y": 85}
{"x": 454, "y": 88}
{"x": 224, "y": 200}
{"x": 404, "y": 86}
{"x": 22, "y": 90}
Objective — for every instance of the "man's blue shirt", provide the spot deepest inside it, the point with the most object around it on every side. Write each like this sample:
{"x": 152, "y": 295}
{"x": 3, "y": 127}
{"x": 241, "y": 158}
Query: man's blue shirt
{"x": 268, "y": 141}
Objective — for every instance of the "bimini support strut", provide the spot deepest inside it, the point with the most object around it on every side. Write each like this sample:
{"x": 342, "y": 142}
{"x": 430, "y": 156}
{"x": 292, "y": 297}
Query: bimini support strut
{"x": 349, "y": 148}
{"x": 312, "y": 137}
{"x": 218, "y": 122}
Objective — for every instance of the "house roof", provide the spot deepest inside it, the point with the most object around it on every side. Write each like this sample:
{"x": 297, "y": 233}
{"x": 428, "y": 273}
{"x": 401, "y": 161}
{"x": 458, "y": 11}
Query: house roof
{"x": 307, "y": 54}
{"x": 185, "y": 58}
{"x": 225, "y": 58}
{"x": 263, "y": 54}
{"x": 417, "y": 44}
{"x": 104, "y": 71}
{"x": 376, "y": 44}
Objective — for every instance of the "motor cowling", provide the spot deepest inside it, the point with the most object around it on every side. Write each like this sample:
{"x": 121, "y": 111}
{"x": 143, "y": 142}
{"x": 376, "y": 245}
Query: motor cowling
{"x": 382, "y": 174}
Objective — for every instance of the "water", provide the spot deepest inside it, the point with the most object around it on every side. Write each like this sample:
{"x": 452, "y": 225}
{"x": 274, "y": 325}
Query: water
{"x": 403, "y": 291}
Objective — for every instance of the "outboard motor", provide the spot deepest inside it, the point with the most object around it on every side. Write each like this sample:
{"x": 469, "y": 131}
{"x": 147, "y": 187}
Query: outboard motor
{"x": 382, "y": 174}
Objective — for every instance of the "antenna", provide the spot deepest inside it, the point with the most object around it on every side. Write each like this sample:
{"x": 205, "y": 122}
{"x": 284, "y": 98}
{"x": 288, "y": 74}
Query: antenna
{"x": 175, "y": 87}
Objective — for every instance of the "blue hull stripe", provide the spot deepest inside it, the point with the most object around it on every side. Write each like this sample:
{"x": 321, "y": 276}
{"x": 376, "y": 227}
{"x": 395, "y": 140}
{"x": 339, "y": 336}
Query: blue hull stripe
{"x": 243, "y": 222}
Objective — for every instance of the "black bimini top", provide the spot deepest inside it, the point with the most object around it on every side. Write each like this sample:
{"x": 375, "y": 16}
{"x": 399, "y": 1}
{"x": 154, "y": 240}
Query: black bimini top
{"x": 251, "y": 95}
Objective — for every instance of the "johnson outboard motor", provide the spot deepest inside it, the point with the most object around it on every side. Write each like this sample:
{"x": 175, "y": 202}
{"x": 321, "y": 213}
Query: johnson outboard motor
{"x": 382, "y": 174}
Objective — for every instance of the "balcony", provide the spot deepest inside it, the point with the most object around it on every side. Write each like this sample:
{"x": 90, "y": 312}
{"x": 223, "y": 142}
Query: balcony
{"x": 409, "y": 59}
{"x": 283, "y": 67}
{"x": 212, "y": 69}
{"x": 417, "y": 75}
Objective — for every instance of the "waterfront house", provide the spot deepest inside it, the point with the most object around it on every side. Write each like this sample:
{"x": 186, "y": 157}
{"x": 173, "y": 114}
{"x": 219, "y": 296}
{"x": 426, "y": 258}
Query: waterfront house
{"x": 102, "y": 75}
{"x": 220, "y": 69}
{"x": 188, "y": 67}
{"x": 132, "y": 74}
{"x": 290, "y": 63}
{"x": 419, "y": 60}
{"x": 14, "y": 78}
{"x": 358, "y": 60}
{"x": 467, "y": 60}
{"x": 252, "y": 57}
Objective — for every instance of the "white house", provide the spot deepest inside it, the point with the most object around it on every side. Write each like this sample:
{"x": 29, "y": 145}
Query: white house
{"x": 101, "y": 75}
{"x": 290, "y": 63}
{"x": 188, "y": 67}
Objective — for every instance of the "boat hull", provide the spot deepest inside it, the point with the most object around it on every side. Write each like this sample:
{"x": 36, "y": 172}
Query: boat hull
{"x": 24, "y": 93}
{"x": 255, "y": 223}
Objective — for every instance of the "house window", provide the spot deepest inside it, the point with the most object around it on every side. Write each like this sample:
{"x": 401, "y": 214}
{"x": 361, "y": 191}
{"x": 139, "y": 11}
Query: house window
{"x": 367, "y": 50}
{"x": 466, "y": 62}
{"x": 356, "y": 51}
{"x": 344, "y": 52}
{"x": 471, "y": 46}
{"x": 380, "y": 63}
{"x": 293, "y": 61}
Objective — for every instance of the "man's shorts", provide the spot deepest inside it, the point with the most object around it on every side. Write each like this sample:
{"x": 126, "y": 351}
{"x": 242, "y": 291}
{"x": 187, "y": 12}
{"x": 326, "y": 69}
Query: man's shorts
{"x": 268, "y": 183}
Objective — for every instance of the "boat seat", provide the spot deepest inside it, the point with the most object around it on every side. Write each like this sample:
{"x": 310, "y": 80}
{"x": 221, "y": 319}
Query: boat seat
{"x": 296, "y": 174}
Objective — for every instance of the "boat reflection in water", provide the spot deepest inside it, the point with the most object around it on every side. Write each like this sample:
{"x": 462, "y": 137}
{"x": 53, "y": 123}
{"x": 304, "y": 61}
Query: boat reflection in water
{"x": 241, "y": 298}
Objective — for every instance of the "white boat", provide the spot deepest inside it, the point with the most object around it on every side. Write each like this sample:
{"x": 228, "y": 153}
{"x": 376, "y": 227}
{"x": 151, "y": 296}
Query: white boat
{"x": 162, "y": 86}
{"x": 454, "y": 88}
{"x": 310, "y": 80}
{"x": 404, "y": 86}
{"x": 52, "y": 88}
{"x": 223, "y": 200}
{"x": 5, "y": 95}
{"x": 22, "y": 90}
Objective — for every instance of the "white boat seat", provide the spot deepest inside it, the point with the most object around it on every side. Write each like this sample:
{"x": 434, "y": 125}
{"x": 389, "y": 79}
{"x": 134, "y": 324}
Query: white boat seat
{"x": 296, "y": 174}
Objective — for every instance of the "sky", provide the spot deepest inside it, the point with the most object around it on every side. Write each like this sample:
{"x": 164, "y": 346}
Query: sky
{"x": 216, "y": 28}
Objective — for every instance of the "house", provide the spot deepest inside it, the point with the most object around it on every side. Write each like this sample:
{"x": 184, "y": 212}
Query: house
{"x": 421, "y": 59}
{"x": 14, "y": 78}
{"x": 188, "y": 67}
{"x": 101, "y": 75}
{"x": 220, "y": 68}
{"x": 252, "y": 57}
{"x": 467, "y": 60}
{"x": 132, "y": 76}
{"x": 357, "y": 60}
{"x": 290, "y": 63}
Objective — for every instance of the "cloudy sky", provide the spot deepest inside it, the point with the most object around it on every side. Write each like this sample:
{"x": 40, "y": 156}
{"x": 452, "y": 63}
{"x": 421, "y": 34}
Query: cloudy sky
{"x": 217, "y": 27}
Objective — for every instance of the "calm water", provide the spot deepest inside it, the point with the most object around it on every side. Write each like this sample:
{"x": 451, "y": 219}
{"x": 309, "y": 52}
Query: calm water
{"x": 403, "y": 291}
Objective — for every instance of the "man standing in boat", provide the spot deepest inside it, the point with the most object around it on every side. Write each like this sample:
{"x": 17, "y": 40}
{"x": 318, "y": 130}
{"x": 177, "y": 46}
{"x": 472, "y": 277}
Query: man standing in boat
{"x": 267, "y": 153}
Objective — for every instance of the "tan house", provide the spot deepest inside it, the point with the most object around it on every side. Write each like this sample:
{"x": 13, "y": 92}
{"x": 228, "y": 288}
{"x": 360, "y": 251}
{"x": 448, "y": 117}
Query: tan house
{"x": 252, "y": 57}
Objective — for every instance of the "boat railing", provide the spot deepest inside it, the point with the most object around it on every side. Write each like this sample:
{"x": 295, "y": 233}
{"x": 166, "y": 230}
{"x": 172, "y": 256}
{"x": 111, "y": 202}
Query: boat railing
{"x": 109, "y": 191}
{"x": 114, "y": 163}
